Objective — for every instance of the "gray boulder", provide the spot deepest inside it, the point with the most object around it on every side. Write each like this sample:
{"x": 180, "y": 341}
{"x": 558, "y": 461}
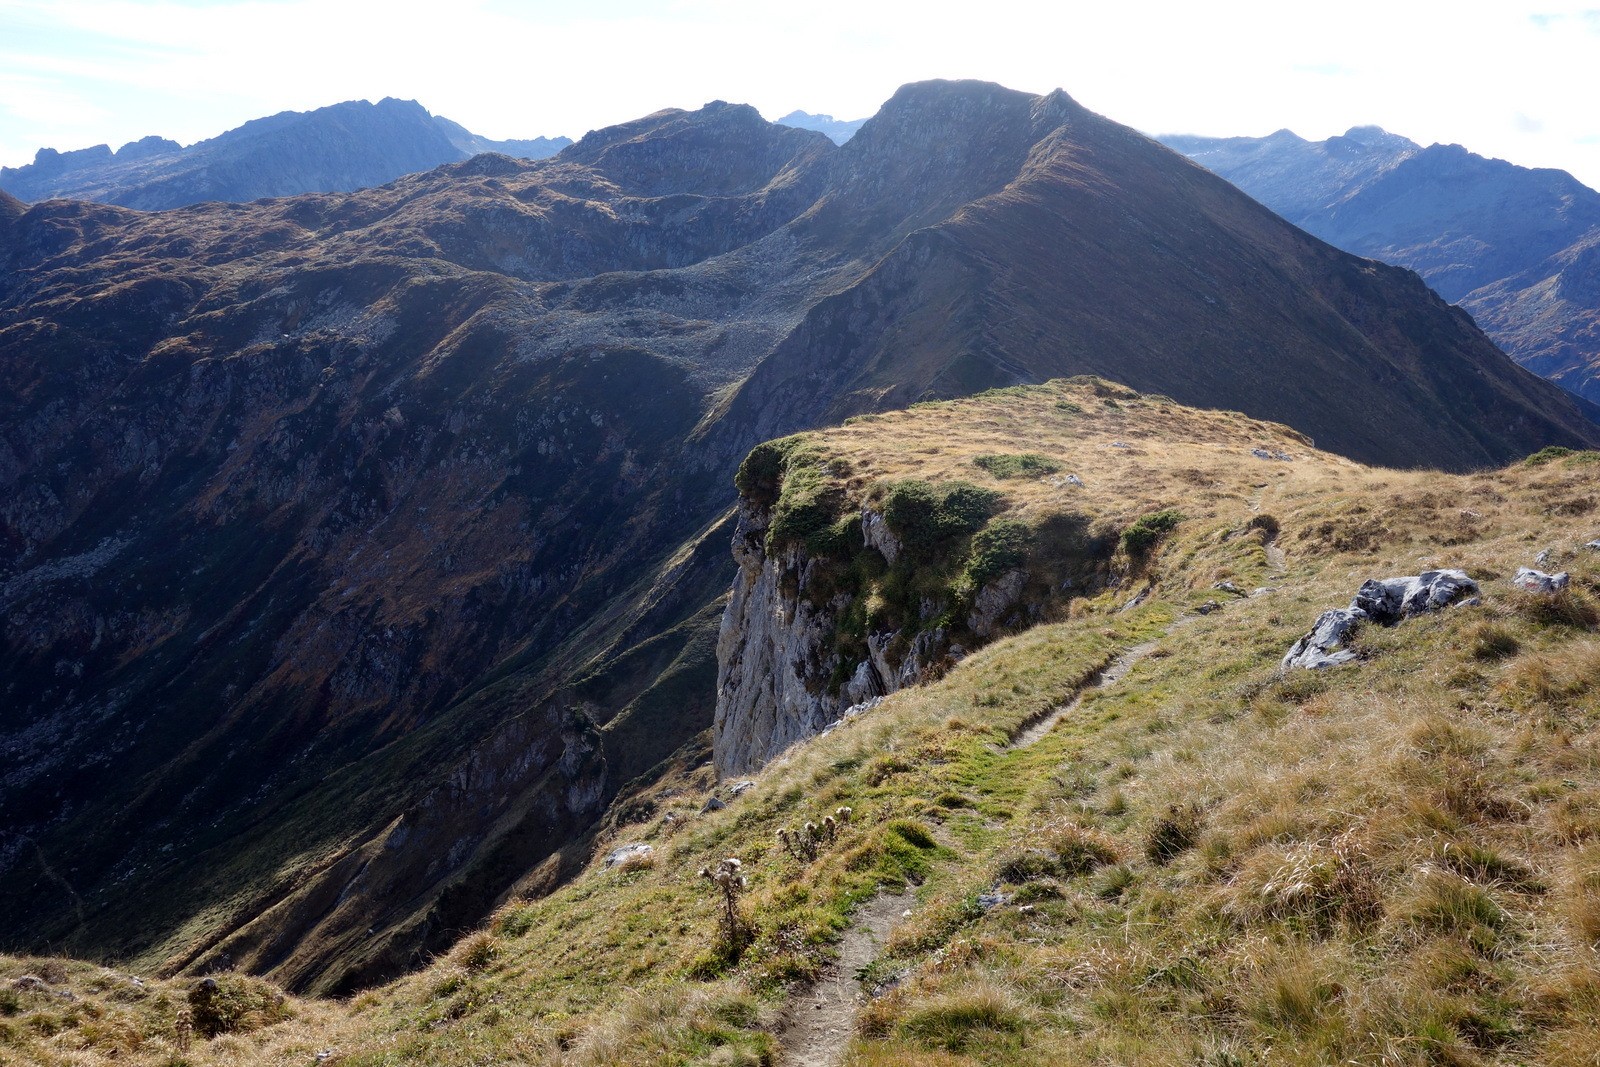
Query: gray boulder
{"x": 1383, "y": 601}
{"x": 1392, "y": 599}
{"x": 1540, "y": 582}
{"x": 1324, "y": 645}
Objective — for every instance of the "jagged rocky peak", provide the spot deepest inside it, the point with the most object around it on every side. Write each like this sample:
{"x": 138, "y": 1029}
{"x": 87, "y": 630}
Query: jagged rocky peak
{"x": 935, "y": 143}
{"x": 964, "y": 117}
{"x": 1375, "y": 136}
{"x": 145, "y": 147}
{"x": 720, "y": 149}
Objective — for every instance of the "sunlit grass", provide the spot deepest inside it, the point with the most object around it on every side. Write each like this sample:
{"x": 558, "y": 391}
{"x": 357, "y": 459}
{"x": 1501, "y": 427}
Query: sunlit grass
{"x": 1208, "y": 862}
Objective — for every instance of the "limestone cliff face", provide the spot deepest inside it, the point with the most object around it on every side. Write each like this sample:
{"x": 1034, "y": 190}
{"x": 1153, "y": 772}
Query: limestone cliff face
{"x": 783, "y": 672}
{"x": 771, "y": 652}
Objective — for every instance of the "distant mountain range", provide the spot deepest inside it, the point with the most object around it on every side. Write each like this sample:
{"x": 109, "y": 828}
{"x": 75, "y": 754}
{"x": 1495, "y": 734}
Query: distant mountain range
{"x": 838, "y": 130}
{"x": 1517, "y": 247}
{"x": 361, "y": 553}
{"x": 348, "y": 146}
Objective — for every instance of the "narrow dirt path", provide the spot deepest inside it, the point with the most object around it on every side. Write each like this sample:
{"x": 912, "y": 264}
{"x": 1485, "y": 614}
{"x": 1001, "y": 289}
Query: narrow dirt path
{"x": 1110, "y": 675}
{"x": 1277, "y": 562}
{"x": 822, "y": 1018}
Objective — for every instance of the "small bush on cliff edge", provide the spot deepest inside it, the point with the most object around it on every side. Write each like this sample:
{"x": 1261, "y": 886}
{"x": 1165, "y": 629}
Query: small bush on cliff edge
{"x": 1142, "y": 536}
{"x": 998, "y": 547}
{"x": 800, "y": 487}
{"x": 760, "y": 476}
{"x": 930, "y": 519}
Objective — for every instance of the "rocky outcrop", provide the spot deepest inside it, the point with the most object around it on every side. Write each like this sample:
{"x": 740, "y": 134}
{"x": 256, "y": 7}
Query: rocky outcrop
{"x": 779, "y": 659}
{"x": 774, "y": 652}
{"x": 1383, "y": 601}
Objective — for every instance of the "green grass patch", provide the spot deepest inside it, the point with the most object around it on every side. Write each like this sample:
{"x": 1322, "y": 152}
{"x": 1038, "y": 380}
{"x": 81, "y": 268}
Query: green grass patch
{"x": 1016, "y": 465}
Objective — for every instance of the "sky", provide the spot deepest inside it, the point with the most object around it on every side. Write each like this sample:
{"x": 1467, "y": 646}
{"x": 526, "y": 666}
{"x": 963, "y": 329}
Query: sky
{"x": 1509, "y": 79}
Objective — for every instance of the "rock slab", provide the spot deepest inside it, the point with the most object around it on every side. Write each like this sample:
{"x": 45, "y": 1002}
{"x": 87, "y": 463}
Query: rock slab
{"x": 1384, "y": 601}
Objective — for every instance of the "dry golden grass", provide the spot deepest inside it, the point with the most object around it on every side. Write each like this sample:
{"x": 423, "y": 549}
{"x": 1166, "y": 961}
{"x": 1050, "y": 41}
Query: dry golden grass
{"x": 1392, "y": 862}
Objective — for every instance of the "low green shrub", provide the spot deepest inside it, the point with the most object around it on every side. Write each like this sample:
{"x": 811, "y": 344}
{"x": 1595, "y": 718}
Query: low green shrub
{"x": 1146, "y": 531}
{"x": 1017, "y": 465}
{"x": 928, "y": 519}
{"x": 998, "y": 547}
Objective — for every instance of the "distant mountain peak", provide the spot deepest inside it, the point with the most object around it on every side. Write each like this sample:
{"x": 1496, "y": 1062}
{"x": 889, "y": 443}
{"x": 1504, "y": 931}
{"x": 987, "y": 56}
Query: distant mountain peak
{"x": 353, "y": 144}
{"x": 1502, "y": 240}
{"x": 838, "y": 130}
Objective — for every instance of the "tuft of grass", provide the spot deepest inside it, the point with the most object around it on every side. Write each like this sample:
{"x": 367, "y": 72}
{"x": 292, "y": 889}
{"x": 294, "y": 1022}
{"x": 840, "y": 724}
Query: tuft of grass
{"x": 977, "y": 1015}
{"x": 1442, "y": 902}
{"x": 1583, "y": 896}
{"x": 1173, "y": 834}
{"x": 1566, "y": 608}
{"x": 1491, "y": 640}
{"x": 478, "y": 952}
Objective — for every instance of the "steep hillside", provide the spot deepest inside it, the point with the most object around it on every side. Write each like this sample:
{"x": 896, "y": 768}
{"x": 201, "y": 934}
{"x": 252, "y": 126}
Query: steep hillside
{"x": 353, "y": 145}
{"x": 358, "y": 553}
{"x": 1510, "y": 244}
{"x": 1119, "y": 832}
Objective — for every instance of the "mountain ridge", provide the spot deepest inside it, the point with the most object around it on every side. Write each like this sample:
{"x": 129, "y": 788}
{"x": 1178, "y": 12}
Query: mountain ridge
{"x": 338, "y": 148}
{"x": 372, "y": 544}
{"x": 1487, "y": 234}
{"x": 1121, "y": 830}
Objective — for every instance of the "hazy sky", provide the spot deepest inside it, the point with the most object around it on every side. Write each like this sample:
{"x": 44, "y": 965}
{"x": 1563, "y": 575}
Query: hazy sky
{"x": 1516, "y": 80}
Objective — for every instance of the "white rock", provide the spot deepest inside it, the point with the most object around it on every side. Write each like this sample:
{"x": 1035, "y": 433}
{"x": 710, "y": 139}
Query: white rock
{"x": 1540, "y": 582}
{"x": 628, "y": 852}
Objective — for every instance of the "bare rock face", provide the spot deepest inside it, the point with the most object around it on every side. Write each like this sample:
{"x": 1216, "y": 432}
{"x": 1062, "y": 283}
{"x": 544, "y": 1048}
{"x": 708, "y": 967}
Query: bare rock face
{"x": 1383, "y": 601}
{"x": 779, "y": 662}
{"x": 994, "y": 600}
{"x": 773, "y": 653}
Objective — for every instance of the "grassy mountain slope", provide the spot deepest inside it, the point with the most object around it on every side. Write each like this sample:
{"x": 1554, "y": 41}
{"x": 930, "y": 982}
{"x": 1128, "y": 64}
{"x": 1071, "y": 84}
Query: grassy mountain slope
{"x": 1206, "y": 860}
{"x": 357, "y": 552}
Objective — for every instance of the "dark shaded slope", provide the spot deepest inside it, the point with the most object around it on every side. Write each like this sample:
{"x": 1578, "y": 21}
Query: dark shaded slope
{"x": 356, "y": 551}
